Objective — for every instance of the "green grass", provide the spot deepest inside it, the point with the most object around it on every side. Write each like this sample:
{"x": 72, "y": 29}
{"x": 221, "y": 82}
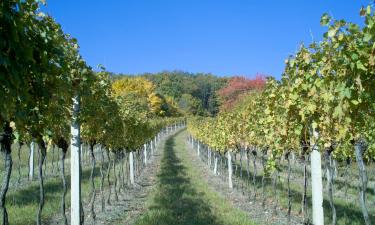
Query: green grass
{"x": 22, "y": 203}
{"x": 182, "y": 197}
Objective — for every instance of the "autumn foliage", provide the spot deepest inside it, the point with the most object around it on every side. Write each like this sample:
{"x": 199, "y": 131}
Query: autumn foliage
{"x": 237, "y": 86}
{"x": 144, "y": 93}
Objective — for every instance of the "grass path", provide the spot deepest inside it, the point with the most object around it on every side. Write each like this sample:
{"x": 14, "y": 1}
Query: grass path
{"x": 182, "y": 196}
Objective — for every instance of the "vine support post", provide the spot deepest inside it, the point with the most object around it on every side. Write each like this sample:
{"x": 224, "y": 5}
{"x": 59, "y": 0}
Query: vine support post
{"x": 230, "y": 170}
{"x": 31, "y": 160}
{"x": 215, "y": 164}
{"x": 75, "y": 165}
{"x": 131, "y": 169}
{"x": 316, "y": 182}
{"x": 145, "y": 152}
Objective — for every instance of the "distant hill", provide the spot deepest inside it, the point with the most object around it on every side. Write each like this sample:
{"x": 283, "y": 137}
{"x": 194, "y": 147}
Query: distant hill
{"x": 194, "y": 93}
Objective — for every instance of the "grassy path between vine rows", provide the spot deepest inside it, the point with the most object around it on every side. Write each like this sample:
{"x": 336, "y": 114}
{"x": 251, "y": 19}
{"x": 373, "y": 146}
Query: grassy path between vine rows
{"x": 181, "y": 196}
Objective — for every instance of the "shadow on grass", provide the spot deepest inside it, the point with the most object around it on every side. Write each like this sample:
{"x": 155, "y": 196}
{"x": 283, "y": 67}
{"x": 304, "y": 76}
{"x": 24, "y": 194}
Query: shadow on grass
{"x": 176, "y": 201}
{"x": 53, "y": 189}
{"x": 28, "y": 197}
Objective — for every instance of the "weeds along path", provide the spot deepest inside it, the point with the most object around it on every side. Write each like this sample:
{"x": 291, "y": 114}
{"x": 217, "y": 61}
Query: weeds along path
{"x": 132, "y": 203}
{"x": 182, "y": 196}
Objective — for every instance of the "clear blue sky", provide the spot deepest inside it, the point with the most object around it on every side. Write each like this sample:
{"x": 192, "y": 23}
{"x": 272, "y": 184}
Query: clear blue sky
{"x": 231, "y": 37}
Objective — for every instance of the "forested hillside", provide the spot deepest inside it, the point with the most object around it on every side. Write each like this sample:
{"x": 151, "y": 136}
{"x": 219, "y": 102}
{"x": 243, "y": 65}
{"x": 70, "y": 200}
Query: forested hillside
{"x": 193, "y": 93}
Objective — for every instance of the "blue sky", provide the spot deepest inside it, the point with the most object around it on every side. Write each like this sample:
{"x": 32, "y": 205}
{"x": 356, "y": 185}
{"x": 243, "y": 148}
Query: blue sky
{"x": 231, "y": 37}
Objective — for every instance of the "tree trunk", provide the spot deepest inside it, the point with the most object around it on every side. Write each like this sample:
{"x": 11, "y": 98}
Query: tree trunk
{"x": 210, "y": 154}
{"x": 102, "y": 179}
{"x": 19, "y": 162}
{"x": 222, "y": 167}
{"x": 65, "y": 188}
{"x": 274, "y": 183}
{"x": 45, "y": 163}
{"x": 6, "y": 142}
{"x": 255, "y": 173}
{"x": 115, "y": 177}
{"x": 135, "y": 162}
{"x": 127, "y": 169}
{"x": 42, "y": 155}
{"x": 329, "y": 166}
{"x": 230, "y": 169}
{"x": 122, "y": 172}
{"x": 346, "y": 174}
{"x": 304, "y": 194}
{"x": 53, "y": 159}
{"x": 334, "y": 168}
{"x": 288, "y": 184}
{"x": 241, "y": 153}
{"x": 108, "y": 179}
{"x": 263, "y": 179}
{"x": 92, "y": 175}
{"x": 363, "y": 180}
{"x": 248, "y": 166}
{"x": 119, "y": 174}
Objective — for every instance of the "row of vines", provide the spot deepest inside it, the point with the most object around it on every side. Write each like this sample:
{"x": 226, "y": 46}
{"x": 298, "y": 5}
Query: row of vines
{"x": 50, "y": 98}
{"x": 322, "y": 106}
{"x": 106, "y": 175}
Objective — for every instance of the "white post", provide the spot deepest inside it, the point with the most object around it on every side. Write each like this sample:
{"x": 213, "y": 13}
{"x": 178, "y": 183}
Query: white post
{"x": 75, "y": 165}
{"x": 31, "y": 160}
{"x": 230, "y": 170}
{"x": 317, "y": 184}
{"x": 131, "y": 164}
{"x": 198, "y": 150}
{"x": 209, "y": 157}
{"x": 82, "y": 152}
{"x": 145, "y": 153}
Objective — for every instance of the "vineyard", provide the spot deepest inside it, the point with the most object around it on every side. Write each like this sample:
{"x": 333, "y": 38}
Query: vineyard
{"x": 81, "y": 145}
{"x": 319, "y": 115}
